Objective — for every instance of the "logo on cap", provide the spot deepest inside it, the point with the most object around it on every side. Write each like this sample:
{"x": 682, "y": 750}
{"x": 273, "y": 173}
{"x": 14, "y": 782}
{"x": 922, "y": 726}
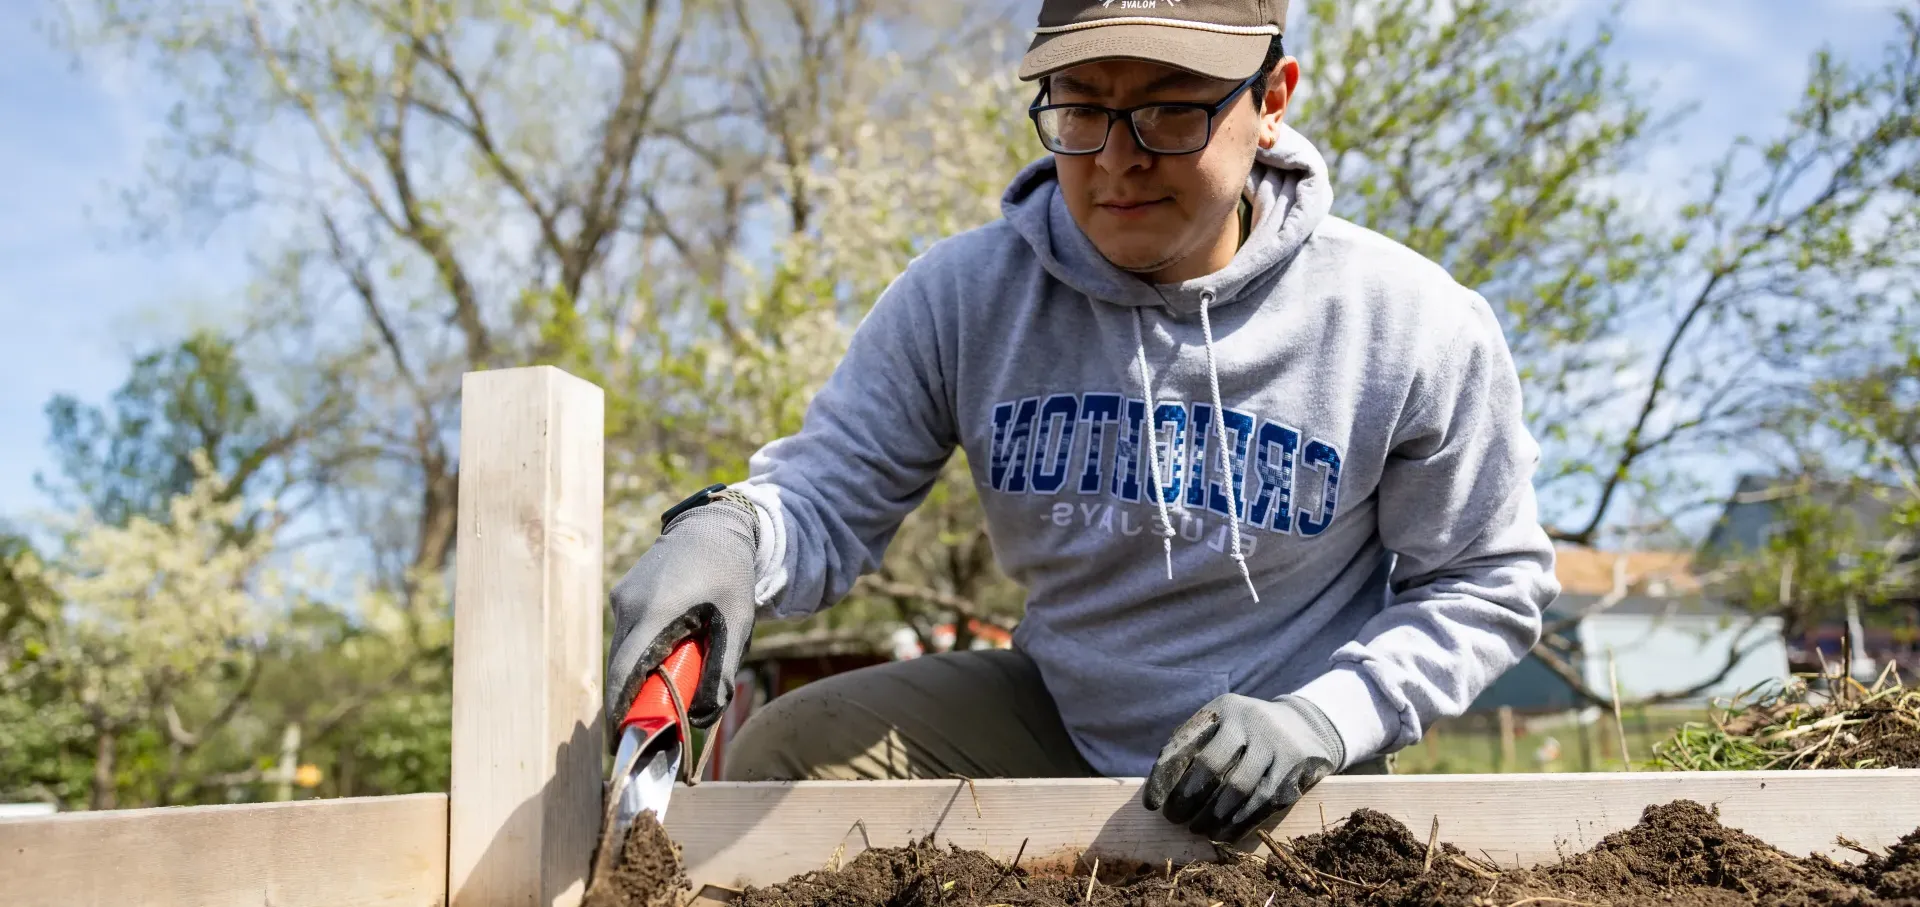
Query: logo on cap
{"x": 1137, "y": 4}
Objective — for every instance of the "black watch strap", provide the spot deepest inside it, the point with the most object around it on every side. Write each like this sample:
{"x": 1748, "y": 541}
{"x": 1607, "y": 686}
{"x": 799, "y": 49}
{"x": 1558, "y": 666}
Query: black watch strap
{"x": 693, "y": 500}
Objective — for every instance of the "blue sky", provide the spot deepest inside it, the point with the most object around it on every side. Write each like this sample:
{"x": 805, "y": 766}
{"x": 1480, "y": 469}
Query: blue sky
{"x": 76, "y": 297}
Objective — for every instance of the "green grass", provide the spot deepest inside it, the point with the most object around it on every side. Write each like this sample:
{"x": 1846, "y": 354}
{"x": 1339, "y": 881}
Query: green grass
{"x": 1790, "y": 728}
{"x": 1472, "y": 744}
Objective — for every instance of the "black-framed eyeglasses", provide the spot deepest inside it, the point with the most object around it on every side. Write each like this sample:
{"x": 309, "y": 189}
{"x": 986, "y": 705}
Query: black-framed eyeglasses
{"x": 1167, "y": 127}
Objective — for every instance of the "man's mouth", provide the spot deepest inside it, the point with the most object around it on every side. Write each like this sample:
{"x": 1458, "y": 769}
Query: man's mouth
{"x": 1131, "y": 207}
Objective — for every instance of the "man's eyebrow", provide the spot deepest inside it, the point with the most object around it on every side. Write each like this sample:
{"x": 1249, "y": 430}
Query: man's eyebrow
{"x": 1175, "y": 79}
{"x": 1074, "y": 86}
{"x": 1178, "y": 79}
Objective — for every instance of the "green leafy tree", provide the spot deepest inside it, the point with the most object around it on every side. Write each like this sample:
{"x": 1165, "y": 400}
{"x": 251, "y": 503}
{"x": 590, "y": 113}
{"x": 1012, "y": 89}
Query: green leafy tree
{"x": 43, "y": 753}
{"x": 133, "y": 458}
{"x": 1845, "y": 541}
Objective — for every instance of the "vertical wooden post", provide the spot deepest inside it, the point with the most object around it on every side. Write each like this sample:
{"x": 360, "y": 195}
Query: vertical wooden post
{"x": 1586, "y": 739}
{"x": 524, "y": 809}
{"x": 289, "y": 765}
{"x": 1507, "y": 759}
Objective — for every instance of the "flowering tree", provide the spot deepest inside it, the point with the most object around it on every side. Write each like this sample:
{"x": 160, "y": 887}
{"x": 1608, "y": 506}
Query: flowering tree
{"x": 150, "y": 615}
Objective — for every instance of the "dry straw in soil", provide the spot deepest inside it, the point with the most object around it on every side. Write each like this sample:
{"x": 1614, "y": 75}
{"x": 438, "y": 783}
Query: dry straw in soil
{"x": 1846, "y": 725}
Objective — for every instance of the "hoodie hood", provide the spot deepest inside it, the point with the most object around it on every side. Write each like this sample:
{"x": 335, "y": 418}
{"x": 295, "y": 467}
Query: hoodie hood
{"x": 1291, "y": 195}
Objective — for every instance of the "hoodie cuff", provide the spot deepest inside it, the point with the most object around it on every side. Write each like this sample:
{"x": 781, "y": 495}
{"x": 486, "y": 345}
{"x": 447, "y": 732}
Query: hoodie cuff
{"x": 769, "y": 568}
{"x": 1364, "y": 719}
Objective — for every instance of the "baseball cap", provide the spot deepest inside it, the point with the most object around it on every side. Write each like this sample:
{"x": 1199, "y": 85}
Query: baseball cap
{"x": 1220, "y": 39}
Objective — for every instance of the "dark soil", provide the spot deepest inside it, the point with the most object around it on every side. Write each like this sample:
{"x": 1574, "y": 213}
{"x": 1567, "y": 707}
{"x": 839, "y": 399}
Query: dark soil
{"x": 648, "y": 873}
{"x": 1679, "y": 854}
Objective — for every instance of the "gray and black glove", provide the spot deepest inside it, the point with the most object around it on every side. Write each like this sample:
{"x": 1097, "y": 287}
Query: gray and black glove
{"x": 698, "y": 575}
{"x": 1239, "y": 760}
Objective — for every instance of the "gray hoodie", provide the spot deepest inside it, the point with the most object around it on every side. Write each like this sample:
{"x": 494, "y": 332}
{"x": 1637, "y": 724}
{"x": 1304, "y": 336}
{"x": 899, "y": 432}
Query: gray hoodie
{"x": 1376, "y": 551}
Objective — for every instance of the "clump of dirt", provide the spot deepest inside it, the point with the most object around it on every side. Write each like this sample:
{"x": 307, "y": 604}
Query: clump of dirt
{"x": 1888, "y": 737}
{"x": 1682, "y": 847}
{"x": 1679, "y": 854}
{"x": 648, "y": 872}
{"x": 1896, "y": 874}
{"x": 924, "y": 874}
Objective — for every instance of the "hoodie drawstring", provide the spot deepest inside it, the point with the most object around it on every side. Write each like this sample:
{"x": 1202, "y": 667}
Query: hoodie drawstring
{"x": 1151, "y": 434}
{"x": 1220, "y": 441}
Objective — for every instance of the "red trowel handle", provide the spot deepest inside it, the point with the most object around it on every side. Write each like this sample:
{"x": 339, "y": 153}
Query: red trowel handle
{"x": 652, "y": 710}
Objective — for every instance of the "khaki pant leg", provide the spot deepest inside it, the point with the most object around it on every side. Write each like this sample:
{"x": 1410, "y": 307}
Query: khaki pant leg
{"x": 975, "y": 714}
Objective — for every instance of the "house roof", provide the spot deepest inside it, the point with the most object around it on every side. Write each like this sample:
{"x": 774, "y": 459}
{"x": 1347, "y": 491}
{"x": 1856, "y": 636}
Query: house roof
{"x": 1757, "y": 500}
{"x": 1655, "y": 574}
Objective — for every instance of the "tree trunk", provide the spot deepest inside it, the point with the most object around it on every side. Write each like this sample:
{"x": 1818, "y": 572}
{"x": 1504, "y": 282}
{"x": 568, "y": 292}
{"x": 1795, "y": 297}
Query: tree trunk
{"x": 962, "y": 633}
{"x": 439, "y": 517}
{"x": 343, "y": 773}
{"x": 172, "y": 778}
{"x": 103, "y": 786}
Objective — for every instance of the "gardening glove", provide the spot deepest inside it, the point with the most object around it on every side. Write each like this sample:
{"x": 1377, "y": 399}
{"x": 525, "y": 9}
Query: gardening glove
{"x": 1239, "y": 760}
{"x": 698, "y": 575}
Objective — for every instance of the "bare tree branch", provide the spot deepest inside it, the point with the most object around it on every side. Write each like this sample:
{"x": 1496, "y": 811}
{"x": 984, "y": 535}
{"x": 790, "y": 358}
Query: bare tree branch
{"x": 476, "y": 128}
{"x": 1549, "y": 653}
{"x": 187, "y": 742}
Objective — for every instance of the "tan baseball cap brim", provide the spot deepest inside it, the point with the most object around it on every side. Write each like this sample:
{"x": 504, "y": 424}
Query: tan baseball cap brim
{"x": 1226, "y": 57}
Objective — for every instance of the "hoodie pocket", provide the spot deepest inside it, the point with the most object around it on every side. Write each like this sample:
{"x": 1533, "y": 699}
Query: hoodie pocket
{"x": 1119, "y": 711}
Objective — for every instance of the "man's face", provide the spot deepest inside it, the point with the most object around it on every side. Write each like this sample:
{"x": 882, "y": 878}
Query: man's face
{"x": 1165, "y": 216}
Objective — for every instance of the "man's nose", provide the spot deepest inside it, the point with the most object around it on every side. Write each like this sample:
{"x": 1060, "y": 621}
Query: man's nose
{"x": 1121, "y": 153}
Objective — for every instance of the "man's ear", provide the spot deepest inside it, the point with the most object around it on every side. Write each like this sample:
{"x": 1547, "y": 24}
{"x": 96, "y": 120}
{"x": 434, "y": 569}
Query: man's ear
{"x": 1273, "y": 106}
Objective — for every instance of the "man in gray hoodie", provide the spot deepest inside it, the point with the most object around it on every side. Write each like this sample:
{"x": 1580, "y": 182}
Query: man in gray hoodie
{"x": 1262, "y": 472}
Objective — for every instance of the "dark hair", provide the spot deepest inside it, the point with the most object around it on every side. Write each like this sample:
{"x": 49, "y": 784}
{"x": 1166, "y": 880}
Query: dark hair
{"x": 1259, "y": 88}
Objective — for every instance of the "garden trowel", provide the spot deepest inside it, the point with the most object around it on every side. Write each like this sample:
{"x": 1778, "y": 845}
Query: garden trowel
{"x": 654, "y": 739}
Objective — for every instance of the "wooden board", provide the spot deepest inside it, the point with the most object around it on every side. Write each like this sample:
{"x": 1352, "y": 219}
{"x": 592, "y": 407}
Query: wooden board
{"x": 527, "y": 729}
{"x": 353, "y": 852}
{"x": 732, "y": 834}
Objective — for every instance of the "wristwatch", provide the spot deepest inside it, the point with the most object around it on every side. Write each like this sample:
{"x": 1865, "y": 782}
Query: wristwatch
{"x": 707, "y": 495}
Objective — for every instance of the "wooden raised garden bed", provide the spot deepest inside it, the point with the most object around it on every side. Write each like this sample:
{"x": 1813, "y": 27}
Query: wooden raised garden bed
{"x": 519, "y": 825}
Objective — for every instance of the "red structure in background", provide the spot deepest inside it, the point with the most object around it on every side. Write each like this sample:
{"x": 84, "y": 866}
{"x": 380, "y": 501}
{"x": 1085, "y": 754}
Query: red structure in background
{"x": 1880, "y": 645}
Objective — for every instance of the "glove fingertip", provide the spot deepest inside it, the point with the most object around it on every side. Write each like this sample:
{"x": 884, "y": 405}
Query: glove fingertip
{"x": 1153, "y": 795}
{"x": 710, "y": 699}
{"x": 1172, "y": 766}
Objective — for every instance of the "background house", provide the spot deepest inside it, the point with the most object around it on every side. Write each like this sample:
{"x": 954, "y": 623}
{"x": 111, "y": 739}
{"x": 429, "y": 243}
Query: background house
{"x": 1647, "y": 613}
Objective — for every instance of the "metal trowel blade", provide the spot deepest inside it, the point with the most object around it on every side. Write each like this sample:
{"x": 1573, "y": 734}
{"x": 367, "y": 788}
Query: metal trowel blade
{"x": 650, "y": 784}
